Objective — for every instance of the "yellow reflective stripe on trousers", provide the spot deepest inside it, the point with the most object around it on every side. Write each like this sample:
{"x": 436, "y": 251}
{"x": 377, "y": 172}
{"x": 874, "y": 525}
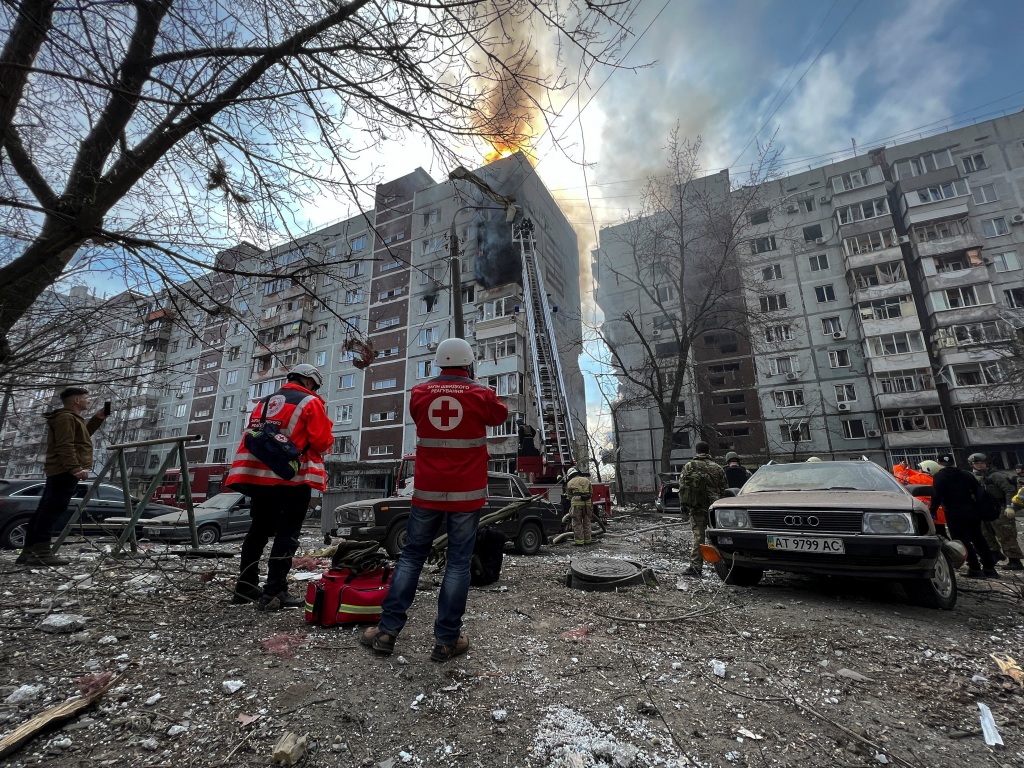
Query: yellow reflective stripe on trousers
{"x": 432, "y": 442}
{"x": 450, "y": 495}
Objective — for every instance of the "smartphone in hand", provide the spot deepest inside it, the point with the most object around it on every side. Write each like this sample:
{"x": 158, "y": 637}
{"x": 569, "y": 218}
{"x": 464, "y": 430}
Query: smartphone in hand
{"x": 106, "y": 408}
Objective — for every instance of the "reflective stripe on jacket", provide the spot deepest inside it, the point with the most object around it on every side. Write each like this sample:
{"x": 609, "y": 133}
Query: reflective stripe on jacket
{"x": 302, "y": 418}
{"x": 576, "y": 487}
{"x": 452, "y": 413}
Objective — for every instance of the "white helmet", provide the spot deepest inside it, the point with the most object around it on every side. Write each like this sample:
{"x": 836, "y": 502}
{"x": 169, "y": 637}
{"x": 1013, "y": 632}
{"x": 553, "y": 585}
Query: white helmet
{"x": 308, "y": 371}
{"x": 454, "y": 353}
{"x": 813, "y": 459}
{"x": 929, "y": 466}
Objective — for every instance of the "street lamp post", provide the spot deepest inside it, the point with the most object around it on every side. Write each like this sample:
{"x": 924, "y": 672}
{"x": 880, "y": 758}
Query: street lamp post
{"x": 507, "y": 204}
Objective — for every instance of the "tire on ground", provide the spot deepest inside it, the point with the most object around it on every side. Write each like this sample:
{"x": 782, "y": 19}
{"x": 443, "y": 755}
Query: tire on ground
{"x": 737, "y": 575}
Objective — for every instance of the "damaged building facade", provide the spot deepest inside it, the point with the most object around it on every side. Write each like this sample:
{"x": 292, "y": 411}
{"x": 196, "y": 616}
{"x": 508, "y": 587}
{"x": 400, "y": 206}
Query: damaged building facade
{"x": 366, "y": 300}
{"x": 884, "y": 308}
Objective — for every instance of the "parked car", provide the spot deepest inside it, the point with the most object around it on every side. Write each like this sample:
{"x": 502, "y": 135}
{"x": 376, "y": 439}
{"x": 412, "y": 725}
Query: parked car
{"x": 384, "y": 520}
{"x": 19, "y": 499}
{"x": 225, "y": 514}
{"x": 667, "y": 499}
{"x": 839, "y": 518}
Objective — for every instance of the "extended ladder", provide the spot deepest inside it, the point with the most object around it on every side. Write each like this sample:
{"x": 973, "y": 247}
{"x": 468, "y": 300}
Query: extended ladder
{"x": 552, "y": 406}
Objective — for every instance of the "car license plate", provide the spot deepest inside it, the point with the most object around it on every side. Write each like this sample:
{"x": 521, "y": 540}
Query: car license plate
{"x": 344, "y": 532}
{"x": 807, "y": 544}
{"x": 160, "y": 530}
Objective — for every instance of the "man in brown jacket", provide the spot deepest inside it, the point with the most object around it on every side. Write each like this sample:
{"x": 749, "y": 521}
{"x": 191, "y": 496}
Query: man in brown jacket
{"x": 68, "y": 460}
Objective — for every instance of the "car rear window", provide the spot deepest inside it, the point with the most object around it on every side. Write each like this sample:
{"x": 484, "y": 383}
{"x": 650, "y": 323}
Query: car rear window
{"x": 823, "y": 476}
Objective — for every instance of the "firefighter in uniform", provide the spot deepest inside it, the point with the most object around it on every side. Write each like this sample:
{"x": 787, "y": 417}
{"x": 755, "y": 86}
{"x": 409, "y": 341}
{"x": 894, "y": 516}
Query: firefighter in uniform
{"x": 577, "y": 486}
{"x": 279, "y": 506}
{"x": 452, "y": 412}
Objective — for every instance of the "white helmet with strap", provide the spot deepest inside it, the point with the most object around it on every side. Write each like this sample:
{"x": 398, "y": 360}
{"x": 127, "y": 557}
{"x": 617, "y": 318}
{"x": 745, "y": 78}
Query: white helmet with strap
{"x": 453, "y": 353}
{"x": 309, "y": 372}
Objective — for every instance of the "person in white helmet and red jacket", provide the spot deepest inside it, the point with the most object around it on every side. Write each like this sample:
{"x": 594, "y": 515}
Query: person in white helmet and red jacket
{"x": 452, "y": 412}
{"x": 279, "y": 504}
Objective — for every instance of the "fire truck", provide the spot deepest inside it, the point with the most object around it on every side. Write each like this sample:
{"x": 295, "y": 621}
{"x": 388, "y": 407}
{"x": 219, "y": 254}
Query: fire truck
{"x": 550, "y": 406}
{"x": 205, "y": 480}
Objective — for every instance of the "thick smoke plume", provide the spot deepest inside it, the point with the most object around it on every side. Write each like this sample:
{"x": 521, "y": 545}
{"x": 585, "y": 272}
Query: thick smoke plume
{"x": 497, "y": 261}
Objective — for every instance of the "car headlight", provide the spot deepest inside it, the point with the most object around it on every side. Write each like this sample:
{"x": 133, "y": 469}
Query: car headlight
{"x": 732, "y": 518}
{"x": 888, "y": 523}
{"x": 358, "y": 515}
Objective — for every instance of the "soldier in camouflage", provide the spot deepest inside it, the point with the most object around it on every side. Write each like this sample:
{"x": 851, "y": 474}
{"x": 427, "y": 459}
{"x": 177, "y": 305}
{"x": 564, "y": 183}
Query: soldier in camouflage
{"x": 701, "y": 482}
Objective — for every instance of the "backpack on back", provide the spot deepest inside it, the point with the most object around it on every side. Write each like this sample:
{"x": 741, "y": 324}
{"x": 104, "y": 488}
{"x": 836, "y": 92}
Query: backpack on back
{"x": 696, "y": 485}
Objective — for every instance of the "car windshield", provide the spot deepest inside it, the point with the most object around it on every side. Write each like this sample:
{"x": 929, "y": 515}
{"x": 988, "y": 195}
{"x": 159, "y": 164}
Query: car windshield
{"x": 220, "y": 501}
{"x": 824, "y": 476}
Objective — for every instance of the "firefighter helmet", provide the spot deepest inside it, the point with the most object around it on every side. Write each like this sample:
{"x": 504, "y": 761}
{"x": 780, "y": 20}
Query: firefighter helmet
{"x": 977, "y": 457}
{"x": 813, "y": 459}
{"x": 929, "y": 466}
{"x": 453, "y": 353}
{"x": 308, "y": 371}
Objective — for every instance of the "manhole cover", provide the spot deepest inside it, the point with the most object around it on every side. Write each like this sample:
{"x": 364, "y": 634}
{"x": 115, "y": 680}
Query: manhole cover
{"x": 605, "y": 574}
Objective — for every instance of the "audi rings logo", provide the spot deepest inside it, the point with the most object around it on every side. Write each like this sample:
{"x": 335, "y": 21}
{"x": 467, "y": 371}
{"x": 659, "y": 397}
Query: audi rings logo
{"x": 796, "y": 520}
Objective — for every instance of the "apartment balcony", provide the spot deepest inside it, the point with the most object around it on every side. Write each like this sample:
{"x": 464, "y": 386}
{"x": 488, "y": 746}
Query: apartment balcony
{"x": 915, "y": 399}
{"x": 298, "y": 344}
{"x": 301, "y": 315}
{"x": 277, "y": 372}
{"x": 902, "y": 361}
{"x": 915, "y": 438}
{"x": 881, "y": 291}
{"x": 971, "y": 396}
{"x": 153, "y": 356}
{"x": 873, "y": 258}
{"x": 947, "y": 245}
{"x": 502, "y": 444}
{"x": 161, "y": 332}
{"x": 964, "y": 315}
{"x": 903, "y": 324}
{"x": 994, "y": 435}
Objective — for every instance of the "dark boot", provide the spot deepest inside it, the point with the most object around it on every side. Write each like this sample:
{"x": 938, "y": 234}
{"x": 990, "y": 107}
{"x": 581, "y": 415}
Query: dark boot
{"x": 39, "y": 554}
{"x": 1014, "y": 565}
{"x": 245, "y": 594}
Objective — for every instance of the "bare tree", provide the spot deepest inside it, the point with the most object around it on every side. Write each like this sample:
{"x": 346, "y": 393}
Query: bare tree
{"x": 149, "y": 134}
{"x": 677, "y": 257}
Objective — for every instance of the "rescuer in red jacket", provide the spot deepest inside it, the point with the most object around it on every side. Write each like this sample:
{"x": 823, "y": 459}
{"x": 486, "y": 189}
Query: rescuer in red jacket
{"x": 279, "y": 506}
{"x": 452, "y": 413}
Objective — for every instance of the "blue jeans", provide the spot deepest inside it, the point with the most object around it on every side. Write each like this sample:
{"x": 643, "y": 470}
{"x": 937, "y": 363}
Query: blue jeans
{"x": 424, "y": 526}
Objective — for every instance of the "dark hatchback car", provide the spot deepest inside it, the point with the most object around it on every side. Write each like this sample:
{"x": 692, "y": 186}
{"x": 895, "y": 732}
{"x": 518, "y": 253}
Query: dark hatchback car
{"x": 19, "y": 499}
{"x": 226, "y": 514}
{"x": 839, "y": 518}
{"x": 384, "y": 520}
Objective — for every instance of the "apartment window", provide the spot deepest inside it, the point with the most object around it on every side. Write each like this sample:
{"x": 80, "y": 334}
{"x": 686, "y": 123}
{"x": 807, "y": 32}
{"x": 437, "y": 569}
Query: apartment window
{"x": 1014, "y": 298}
{"x": 795, "y": 433}
{"x": 788, "y": 398}
{"x": 991, "y": 331}
{"x": 231, "y": 377}
{"x": 897, "y": 344}
{"x": 394, "y": 293}
{"x": 354, "y": 296}
{"x": 320, "y": 358}
{"x": 389, "y": 265}
{"x": 1005, "y": 262}
{"x": 913, "y": 419}
{"x": 772, "y": 272}
{"x": 497, "y": 347}
{"x": 773, "y": 303}
{"x": 947, "y": 191}
{"x": 986, "y": 193}
{"x": 824, "y": 293}
{"x": 203, "y": 413}
{"x": 223, "y": 428}
{"x": 387, "y": 322}
{"x": 886, "y": 309}
{"x": 504, "y": 384}
{"x": 180, "y": 411}
{"x": 830, "y": 325}
{"x": 812, "y": 233}
{"x": 433, "y": 245}
{"x": 468, "y": 294}
{"x": 191, "y": 343}
{"x": 227, "y": 402}
{"x": 776, "y": 333}
{"x": 220, "y": 455}
{"x": 869, "y": 209}
{"x": 273, "y": 286}
{"x": 838, "y": 358}
{"x": 383, "y": 416}
{"x": 856, "y": 179}
{"x": 357, "y": 243}
{"x": 853, "y": 429}
{"x": 666, "y": 293}
{"x": 995, "y": 227}
{"x": 818, "y": 263}
{"x": 503, "y": 307}
{"x": 871, "y": 241}
{"x": 908, "y": 380}
{"x": 343, "y": 444}
{"x": 234, "y": 353}
{"x": 846, "y": 393}
{"x": 355, "y": 269}
{"x": 343, "y": 413}
{"x": 173, "y": 346}
{"x": 728, "y": 399}
{"x": 389, "y": 352}
{"x": 348, "y": 381}
{"x": 973, "y": 163}
{"x": 961, "y": 297}
{"x": 758, "y": 217}
{"x": 321, "y": 331}
{"x": 763, "y": 245}
{"x": 430, "y": 275}
{"x": 976, "y": 374}
{"x": 429, "y": 336}
{"x": 175, "y": 432}
{"x": 381, "y": 450}
{"x": 779, "y": 365}
{"x": 206, "y": 388}
{"x": 989, "y": 416}
{"x": 425, "y": 369}
{"x": 384, "y": 384}
{"x": 431, "y": 217}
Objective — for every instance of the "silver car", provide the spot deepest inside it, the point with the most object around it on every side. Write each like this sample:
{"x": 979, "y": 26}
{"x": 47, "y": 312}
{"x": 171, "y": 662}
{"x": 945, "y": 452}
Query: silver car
{"x": 226, "y": 514}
